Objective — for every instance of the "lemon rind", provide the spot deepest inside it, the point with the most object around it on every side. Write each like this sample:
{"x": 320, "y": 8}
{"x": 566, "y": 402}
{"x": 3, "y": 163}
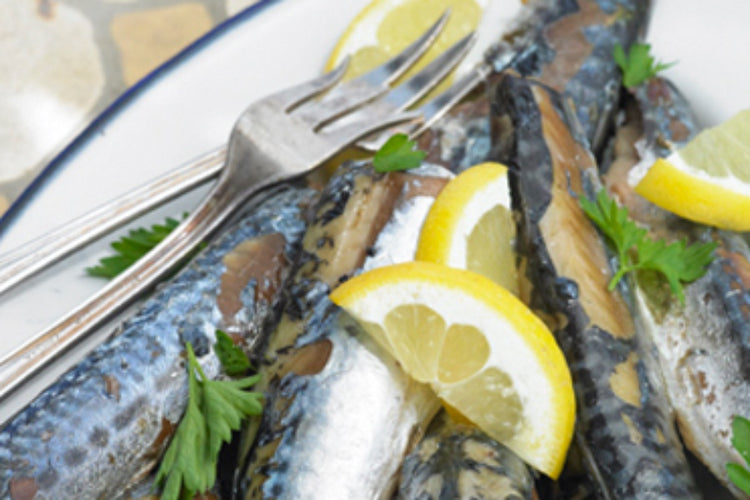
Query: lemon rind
{"x": 425, "y": 282}
{"x": 695, "y": 196}
{"x": 457, "y": 210}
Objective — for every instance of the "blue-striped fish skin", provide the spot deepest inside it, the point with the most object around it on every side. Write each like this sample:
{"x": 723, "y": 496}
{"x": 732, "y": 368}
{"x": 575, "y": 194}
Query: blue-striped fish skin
{"x": 701, "y": 346}
{"x": 568, "y": 45}
{"x": 623, "y": 420}
{"x": 455, "y": 461}
{"x": 564, "y": 44}
{"x": 572, "y": 54}
{"x": 103, "y": 425}
{"x": 340, "y": 413}
{"x": 461, "y": 138}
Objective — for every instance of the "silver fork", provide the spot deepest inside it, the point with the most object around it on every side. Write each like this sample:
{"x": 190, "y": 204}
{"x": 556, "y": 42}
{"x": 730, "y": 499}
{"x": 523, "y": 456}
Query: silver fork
{"x": 30, "y": 258}
{"x": 309, "y": 135}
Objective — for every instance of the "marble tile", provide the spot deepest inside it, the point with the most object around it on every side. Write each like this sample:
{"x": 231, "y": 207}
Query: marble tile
{"x": 149, "y": 37}
{"x": 51, "y": 79}
{"x": 235, "y": 6}
{"x": 64, "y": 61}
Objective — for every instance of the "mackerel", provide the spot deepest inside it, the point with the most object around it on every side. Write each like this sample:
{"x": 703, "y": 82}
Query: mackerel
{"x": 455, "y": 461}
{"x": 701, "y": 346}
{"x": 624, "y": 426}
{"x": 103, "y": 425}
{"x": 572, "y": 54}
{"x": 340, "y": 412}
{"x": 565, "y": 44}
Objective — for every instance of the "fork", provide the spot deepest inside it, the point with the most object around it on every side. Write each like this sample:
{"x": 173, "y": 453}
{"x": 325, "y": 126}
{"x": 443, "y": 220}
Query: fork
{"x": 283, "y": 137}
{"x": 33, "y": 256}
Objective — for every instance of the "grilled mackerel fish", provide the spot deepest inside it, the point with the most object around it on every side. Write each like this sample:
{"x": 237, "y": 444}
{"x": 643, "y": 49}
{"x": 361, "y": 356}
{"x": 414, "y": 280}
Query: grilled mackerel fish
{"x": 624, "y": 425}
{"x": 103, "y": 426}
{"x": 567, "y": 45}
{"x": 456, "y": 461}
{"x": 340, "y": 413}
{"x": 564, "y": 44}
{"x": 701, "y": 346}
{"x": 572, "y": 54}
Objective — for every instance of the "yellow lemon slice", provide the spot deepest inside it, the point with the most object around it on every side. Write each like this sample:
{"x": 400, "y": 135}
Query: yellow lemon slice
{"x": 385, "y": 27}
{"x": 481, "y": 349}
{"x": 470, "y": 226}
{"x": 708, "y": 180}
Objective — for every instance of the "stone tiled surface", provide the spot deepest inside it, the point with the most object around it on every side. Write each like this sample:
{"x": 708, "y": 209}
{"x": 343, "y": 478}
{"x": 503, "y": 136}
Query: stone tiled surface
{"x": 63, "y": 61}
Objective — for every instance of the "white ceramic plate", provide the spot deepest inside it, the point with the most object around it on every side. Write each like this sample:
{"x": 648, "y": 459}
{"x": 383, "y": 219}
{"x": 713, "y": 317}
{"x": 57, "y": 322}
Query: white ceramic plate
{"x": 183, "y": 109}
{"x": 188, "y": 107}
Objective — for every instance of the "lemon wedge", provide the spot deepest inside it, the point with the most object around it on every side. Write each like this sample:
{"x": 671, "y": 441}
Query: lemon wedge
{"x": 385, "y": 27}
{"x": 707, "y": 181}
{"x": 482, "y": 350}
{"x": 470, "y": 226}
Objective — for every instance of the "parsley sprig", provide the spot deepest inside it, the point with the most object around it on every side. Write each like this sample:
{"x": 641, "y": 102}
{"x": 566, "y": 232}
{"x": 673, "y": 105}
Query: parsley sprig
{"x": 638, "y": 65}
{"x": 678, "y": 262}
{"x": 215, "y": 408}
{"x": 132, "y": 247}
{"x": 397, "y": 153}
{"x": 231, "y": 356}
{"x": 738, "y": 474}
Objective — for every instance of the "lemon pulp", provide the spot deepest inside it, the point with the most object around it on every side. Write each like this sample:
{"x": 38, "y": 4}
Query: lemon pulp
{"x": 470, "y": 226}
{"x": 386, "y": 27}
{"x": 482, "y": 351}
{"x": 707, "y": 181}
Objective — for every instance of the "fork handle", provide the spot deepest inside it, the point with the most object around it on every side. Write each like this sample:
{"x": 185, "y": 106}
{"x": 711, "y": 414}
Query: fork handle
{"x": 44, "y": 347}
{"x": 30, "y": 258}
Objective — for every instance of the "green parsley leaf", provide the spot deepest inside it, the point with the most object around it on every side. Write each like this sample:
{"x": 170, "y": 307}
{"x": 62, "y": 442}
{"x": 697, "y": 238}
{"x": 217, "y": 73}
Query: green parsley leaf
{"x": 739, "y": 475}
{"x": 226, "y": 406}
{"x": 614, "y": 222}
{"x": 677, "y": 262}
{"x": 182, "y": 465}
{"x": 215, "y": 408}
{"x": 232, "y": 357}
{"x": 397, "y": 153}
{"x": 132, "y": 247}
{"x": 741, "y": 437}
{"x": 638, "y": 66}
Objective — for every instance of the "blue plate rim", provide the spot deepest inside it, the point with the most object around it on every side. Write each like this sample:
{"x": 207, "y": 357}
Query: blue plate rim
{"x": 113, "y": 109}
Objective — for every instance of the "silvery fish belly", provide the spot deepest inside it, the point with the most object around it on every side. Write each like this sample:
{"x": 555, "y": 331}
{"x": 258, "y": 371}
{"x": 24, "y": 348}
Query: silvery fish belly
{"x": 104, "y": 424}
{"x": 455, "y": 461}
{"x": 623, "y": 422}
{"x": 701, "y": 346}
{"x": 340, "y": 414}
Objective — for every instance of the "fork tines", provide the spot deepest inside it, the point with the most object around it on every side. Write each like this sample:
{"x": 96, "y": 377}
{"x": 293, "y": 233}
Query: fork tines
{"x": 276, "y": 139}
{"x": 368, "y": 103}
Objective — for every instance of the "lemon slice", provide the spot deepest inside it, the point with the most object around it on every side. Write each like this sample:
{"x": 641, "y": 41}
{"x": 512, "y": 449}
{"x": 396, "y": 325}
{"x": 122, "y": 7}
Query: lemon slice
{"x": 385, "y": 27}
{"x": 708, "y": 180}
{"x": 470, "y": 226}
{"x": 483, "y": 352}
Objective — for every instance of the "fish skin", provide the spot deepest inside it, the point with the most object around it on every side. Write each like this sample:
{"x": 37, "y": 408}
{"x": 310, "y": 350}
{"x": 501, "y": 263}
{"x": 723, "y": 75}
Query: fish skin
{"x": 455, "y": 461}
{"x": 104, "y": 423}
{"x": 483, "y": 141}
{"x": 669, "y": 124}
{"x": 701, "y": 347}
{"x": 566, "y": 44}
{"x": 623, "y": 420}
{"x": 668, "y": 121}
{"x": 462, "y": 138}
{"x": 572, "y": 54}
{"x": 340, "y": 412}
